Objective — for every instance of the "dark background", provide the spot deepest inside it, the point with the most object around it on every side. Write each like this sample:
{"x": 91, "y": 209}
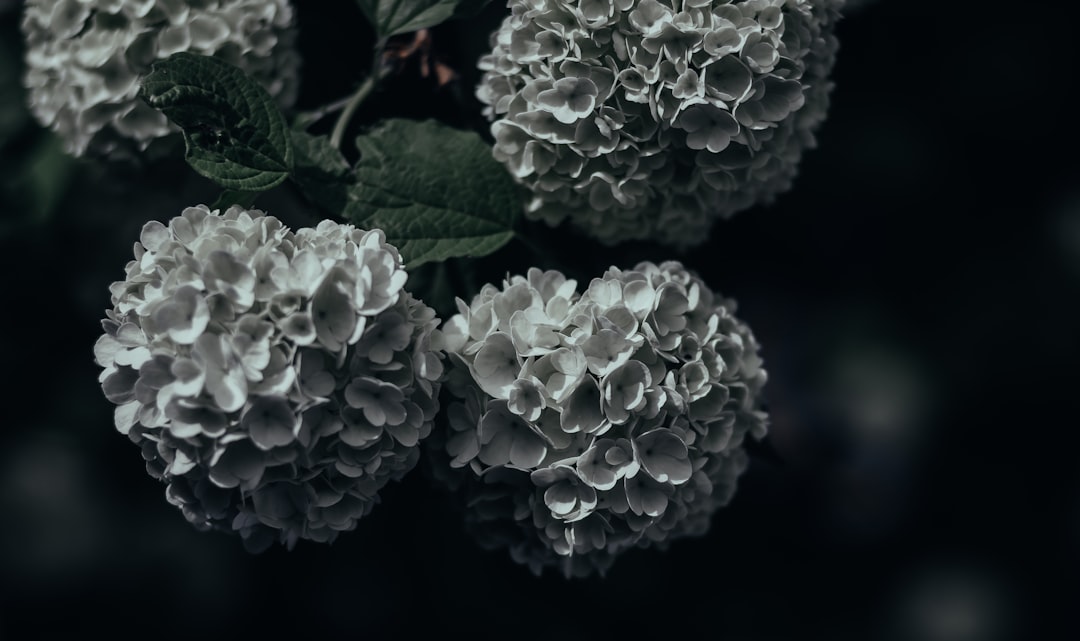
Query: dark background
{"x": 915, "y": 295}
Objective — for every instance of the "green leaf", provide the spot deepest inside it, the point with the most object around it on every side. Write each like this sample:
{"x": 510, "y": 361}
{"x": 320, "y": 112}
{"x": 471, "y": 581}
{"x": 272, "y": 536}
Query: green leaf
{"x": 391, "y": 17}
{"x": 436, "y": 191}
{"x": 321, "y": 172}
{"x": 235, "y": 134}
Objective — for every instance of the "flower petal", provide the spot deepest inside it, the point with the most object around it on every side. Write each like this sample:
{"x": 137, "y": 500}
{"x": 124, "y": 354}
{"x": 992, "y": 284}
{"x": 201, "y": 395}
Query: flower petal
{"x": 270, "y": 422}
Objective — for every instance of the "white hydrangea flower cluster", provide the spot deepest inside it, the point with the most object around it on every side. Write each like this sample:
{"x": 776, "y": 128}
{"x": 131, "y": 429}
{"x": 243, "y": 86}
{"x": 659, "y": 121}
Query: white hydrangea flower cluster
{"x": 651, "y": 119}
{"x": 587, "y": 424}
{"x": 276, "y": 381}
{"x": 85, "y": 58}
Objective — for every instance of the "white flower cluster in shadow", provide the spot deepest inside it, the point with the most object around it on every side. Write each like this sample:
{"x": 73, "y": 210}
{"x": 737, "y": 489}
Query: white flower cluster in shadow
{"x": 276, "y": 381}
{"x": 84, "y": 60}
{"x": 650, "y": 119}
{"x": 588, "y": 423}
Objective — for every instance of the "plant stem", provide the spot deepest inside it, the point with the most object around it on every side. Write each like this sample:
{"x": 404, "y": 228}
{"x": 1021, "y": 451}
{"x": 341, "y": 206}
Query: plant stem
{"x": 350, "y": 108}
{"x": 361, "y": 94}
{"x": 308, "y": 118}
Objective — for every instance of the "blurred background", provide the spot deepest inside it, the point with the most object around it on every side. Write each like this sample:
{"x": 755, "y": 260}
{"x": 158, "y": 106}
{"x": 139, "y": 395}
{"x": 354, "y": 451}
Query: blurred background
{"x": 915, "y": 295}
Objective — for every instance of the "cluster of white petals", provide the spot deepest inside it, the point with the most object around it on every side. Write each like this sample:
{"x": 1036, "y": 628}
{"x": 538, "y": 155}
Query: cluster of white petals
{"x": 276, "y": 381}
{"x": 641, "y": 119}
{"x": 84, "y": 60}
{"x": 588, "y": 423}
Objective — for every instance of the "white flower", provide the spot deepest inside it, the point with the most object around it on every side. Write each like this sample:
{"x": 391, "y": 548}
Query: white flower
{"x": 84, "y": 60}
{"x": 651, "y": 119}
{"x": 508, "y": 439}
{"x": 626, "y": 429}
{"x": 270, "y": 377}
